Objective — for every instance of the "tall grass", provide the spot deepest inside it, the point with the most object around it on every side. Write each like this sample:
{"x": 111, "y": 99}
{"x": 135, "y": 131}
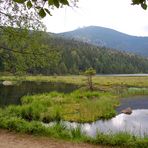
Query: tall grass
{"x": 137, "y": 91}
{"x": 121, "y": 140}
{"x": 81, "y": 80}
{"x": 60, "y": 131}
{"x": 80, "y": 106}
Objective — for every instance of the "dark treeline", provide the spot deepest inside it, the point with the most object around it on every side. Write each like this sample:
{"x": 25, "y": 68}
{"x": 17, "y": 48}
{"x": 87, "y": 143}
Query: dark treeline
{"x": 49, "y": 54}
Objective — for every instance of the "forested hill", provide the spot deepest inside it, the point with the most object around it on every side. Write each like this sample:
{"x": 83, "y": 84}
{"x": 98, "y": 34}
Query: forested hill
{"x": 49, "y": 54}
{"x": 77, "y": 56}
{"x": 101, "y": 36}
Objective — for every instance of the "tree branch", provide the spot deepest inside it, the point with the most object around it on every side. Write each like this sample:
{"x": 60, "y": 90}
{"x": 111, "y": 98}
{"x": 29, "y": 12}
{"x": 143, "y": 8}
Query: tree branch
{"x": 16, "y": 51}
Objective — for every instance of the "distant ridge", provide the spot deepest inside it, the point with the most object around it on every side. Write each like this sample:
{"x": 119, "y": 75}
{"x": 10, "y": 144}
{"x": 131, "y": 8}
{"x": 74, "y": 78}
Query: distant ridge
{"x": 110, "y": 38}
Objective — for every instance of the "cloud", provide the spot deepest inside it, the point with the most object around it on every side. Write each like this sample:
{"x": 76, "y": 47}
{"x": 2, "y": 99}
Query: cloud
{"x": 115, "y": 14}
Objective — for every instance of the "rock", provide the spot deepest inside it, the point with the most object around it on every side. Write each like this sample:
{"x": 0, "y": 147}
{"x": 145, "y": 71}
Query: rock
{"x": 7, "y": 83}
{"x": 127, "y": 111}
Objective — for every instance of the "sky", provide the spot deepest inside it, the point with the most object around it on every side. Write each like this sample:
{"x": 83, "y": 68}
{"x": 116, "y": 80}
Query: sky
{"x": 115, "y": 14}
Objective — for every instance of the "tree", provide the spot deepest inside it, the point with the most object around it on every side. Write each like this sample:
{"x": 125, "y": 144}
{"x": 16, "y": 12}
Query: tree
{"x": 89, "y": 73}
{"x": 15, "y": 15}
{"x": 143, "y": 3}
{"x": 25, "y": 15}
{"x": 16, "y": 23}
{"x": 31, "y": 55}
{"x": 43, "y": 7}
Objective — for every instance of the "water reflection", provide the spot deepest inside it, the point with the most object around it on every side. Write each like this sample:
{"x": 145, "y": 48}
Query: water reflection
{"x": 11, "y": 94}
{"x": 136, "y": 124}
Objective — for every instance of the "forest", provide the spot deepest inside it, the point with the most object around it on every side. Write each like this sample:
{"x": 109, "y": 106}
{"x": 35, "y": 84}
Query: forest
{"x": 50, "y": 54}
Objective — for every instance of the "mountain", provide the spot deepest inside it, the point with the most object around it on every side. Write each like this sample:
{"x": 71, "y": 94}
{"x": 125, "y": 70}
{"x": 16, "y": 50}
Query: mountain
{"x": 110, "y": 38}
{"x": 77, "y": 56}
{"x": 48, "y": 54}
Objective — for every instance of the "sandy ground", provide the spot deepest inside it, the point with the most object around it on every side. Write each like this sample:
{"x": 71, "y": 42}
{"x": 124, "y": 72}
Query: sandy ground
{"x": 16, "y": 140}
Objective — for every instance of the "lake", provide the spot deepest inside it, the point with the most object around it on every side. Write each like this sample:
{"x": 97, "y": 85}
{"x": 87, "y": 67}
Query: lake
{"x": 123, "y": 75}
{"x": 11, "y": 94}
{"x": 136, "y": 123}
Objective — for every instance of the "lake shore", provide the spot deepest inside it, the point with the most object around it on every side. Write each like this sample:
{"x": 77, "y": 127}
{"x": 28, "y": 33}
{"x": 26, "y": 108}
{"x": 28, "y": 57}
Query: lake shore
{"x": 83, "y": 105}
{"x": 141, "y": 81}
{"x": 16, "y": 140}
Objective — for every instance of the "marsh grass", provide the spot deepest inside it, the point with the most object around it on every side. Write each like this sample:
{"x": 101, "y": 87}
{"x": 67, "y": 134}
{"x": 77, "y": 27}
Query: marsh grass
{"x": 137, "y": 91}
{"x": 79, "y": 106}
{"x": 141, "y": 81}
{"x": 28, "y": 117}
{"x": 60, "y": 131}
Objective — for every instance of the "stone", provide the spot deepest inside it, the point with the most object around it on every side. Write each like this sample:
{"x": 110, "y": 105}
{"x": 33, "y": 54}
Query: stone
{"x": 7, "y": 83}
{"x": 127, "y": 111}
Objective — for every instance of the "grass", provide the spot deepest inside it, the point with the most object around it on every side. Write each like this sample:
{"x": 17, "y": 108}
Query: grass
{"x": 79, "y": 106}
{"x": 81, "y": 80}
{"x": 137, "y": 91}
{"x": 121, "y": 139}
{"x": 60, "y": 131}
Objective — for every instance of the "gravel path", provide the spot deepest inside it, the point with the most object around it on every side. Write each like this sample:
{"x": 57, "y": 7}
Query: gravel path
{"x": 16, "y": 140}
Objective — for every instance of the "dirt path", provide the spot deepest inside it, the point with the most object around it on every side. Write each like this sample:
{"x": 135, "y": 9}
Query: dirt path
{"x": 15, "y": 140}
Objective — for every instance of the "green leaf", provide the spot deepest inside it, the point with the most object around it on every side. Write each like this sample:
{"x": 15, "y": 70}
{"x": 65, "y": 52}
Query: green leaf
{"x": 144, "y": 6}
{"x": 50, "y": 2}
{"x": 64, "y": 2}
{"x": 38, "y": 7}
{"x": 136, "y": 2}
{"x": 48, "y": 11}
{"x": 19, "y": 1}
{"x": 42, "y": 13}
{"x": 56, "y": 3}
{"x": 29, "y": 4}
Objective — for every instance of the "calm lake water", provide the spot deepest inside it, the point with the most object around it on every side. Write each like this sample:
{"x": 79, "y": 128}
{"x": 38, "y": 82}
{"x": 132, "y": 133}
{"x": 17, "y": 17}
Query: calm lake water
{"x": 123, "y": 75}
{"x": 11, "y": 94}
{"x": 137, "y": 102}
{"x": 136, "y": 124}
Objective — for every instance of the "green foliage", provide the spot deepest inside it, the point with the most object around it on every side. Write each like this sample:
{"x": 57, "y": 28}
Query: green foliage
{"x": 41, "y": 53}
{"x": 44, "y": 6}
{"x": 29, "y": 4}
{"x": 28, "y": 53}
{"x": 59, "y": 130}
{"x": 76, "y": 106}
{"x": 119, "y": 139}
{"x": 19, "y": 1}
{"x": 34, "y": 4}
{"x": 143, "y": 3}
{"x": 80, "y": 106}
{"x": 15, "y": 14}
{"x": 137, "y": 91}
{"x": 42, "y": 13}
{"x": 89, "y": 73}
{"x": 102, "y": 36}
{"x": 76, "y": 133}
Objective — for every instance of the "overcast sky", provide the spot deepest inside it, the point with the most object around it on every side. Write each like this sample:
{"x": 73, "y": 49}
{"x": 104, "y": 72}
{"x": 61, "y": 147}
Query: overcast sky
{"x": 116, "y": 14}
